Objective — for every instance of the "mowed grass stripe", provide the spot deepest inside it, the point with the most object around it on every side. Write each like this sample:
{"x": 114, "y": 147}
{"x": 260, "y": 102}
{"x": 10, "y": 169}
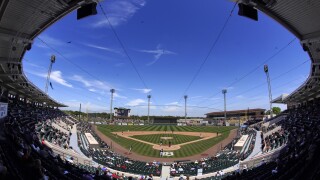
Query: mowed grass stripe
{"x": 156, "y": 138}
{"x": 115, "y": 128}
{"x": 147, "y": 150}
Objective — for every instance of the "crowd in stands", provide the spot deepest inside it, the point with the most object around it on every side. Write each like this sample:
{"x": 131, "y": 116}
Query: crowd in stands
{"x": 222, "y": 160}
{"x": 273, "y": 141}
{"x": 24, "y": 155}
{"x": 105, "y": 156}
{"x": 299, "y": 158}
{"x": 47, "y": 132}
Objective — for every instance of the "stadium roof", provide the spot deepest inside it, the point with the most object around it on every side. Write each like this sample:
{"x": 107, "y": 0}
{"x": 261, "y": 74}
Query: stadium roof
{"x": 21, "y": 21}
{"x": 302, "y": 18}
{"x": 280, "y": 99}
{"x": 235, "y": 111}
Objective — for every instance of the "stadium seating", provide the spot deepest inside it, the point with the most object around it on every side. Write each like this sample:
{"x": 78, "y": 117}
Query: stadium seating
{"x": 108, "y": 158}
{"x": 300, "y": 132}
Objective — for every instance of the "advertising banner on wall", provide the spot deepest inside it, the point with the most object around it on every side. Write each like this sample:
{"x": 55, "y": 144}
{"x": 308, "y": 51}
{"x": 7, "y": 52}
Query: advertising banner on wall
{"x": 3, "y": 109}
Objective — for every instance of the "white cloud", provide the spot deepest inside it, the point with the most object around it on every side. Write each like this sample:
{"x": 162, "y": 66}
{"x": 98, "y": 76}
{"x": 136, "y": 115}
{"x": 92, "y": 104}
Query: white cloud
{"x": 49, "y": 40}
{"x": 173, "y": 103}
{"x": 103, "y": 48}
{"x": 227, "y": 88}
{"x": 145, "y": 90}
{"x": 135, "y": 102}
{"x": 55, "y": 76}
{"x": 240, "y": 97}
{"x": 119, "y": 12}
{"x": 116, "y": 95}
{"x": 74, "y": 105}
{"x": 158, "y": 52}
{"x": 92, "y": 90}
{"x": 96, "y": 84}
{"x": 119, "y": 64}
{"x": 195, "y": 97}
{"x": 172, "y": 107}
{"x": 36, "y": 66}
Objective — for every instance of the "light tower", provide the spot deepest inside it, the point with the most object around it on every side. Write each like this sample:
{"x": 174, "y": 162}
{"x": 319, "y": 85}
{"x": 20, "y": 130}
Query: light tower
{"x": 112, "y": 91}
{"x": 185, "y": 108}
{"x": 80, "y": 113}
{"x": 266, "y": 70}
{"x": 224, "y": 92}
{"x": 149, "y": 97}
{"x": 52, "y": 60}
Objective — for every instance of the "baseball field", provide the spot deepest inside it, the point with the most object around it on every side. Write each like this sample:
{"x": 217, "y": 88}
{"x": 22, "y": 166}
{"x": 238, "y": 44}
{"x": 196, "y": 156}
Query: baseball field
{"x": 180, "y": 141}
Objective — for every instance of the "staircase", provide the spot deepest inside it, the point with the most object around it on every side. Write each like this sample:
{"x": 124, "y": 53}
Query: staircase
{"x": 165, "y": 173}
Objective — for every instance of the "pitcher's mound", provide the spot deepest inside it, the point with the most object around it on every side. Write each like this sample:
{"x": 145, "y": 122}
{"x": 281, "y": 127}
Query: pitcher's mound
{"x": 166, "y": 148}
{"x": 166, "y": 138}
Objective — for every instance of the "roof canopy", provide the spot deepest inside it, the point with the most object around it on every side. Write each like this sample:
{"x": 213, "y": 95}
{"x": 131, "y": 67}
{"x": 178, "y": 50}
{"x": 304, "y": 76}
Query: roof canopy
{"x": 280, "y": 99}
{"x": 236, "y": 111}
{"x": 20, "y": 23}
{"x": 302, "y": 18}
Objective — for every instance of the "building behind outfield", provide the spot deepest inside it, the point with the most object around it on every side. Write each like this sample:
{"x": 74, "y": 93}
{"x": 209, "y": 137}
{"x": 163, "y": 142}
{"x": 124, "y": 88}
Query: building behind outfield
{"x": 164, "y": 120}
{"x": 235, "y": 116}
{"x": 192, "y": 122}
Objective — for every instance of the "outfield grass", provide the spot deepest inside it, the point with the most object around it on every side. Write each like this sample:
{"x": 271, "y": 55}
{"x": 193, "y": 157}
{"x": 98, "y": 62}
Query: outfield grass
{"x": 156, "y": 138}
{"x": 147, "y": 150}
{"x": 115, "y": 128}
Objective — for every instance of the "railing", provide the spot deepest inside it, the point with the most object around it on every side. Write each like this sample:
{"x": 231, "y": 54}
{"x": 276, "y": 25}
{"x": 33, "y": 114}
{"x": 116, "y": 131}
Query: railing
{"x": 271, "y": 131}
{"x": 274, "y": 120}
{"x": 77, "y": 158}
{"x": 266, "y": 157}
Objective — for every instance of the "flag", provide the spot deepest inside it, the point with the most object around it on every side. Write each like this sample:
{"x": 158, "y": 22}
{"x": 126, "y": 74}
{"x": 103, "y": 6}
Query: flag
{"x": 51, "y": 85}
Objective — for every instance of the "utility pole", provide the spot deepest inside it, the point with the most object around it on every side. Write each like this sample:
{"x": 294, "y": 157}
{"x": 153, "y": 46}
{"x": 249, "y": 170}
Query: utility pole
{"x": 149, "y": 97}
{"x": 112, "y": 91}
{"x": 266, "y": 70}
{"x": 80, "y": 113}
{"x": 224, "y": 92}
{"x": 87, "y": 111}
{"x": 185, "y": 108}
{"x": 52, "y": 60}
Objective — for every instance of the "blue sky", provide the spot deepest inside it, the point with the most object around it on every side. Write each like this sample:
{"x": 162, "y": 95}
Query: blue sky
{"x": 167, "y": 42}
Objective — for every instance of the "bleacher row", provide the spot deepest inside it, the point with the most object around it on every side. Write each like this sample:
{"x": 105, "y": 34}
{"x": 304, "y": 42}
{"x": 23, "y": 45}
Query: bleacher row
{"x": 47, "y": 132}
{"x": 106, "y": 157}
{"x": 224, "y": 159}
{"x": 24, "y": 156}
{"x": 299, "y": 158}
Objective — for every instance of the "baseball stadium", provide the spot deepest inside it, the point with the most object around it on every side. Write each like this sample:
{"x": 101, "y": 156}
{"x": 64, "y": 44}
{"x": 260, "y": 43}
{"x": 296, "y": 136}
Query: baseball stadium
{"x": 163, "y": 90}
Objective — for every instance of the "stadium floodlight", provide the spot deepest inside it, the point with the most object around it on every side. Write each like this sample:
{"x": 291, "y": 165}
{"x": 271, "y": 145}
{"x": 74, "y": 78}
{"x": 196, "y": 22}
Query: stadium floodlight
{"x": 266, "y": 70}
{"x": 185, "y": 108}
{"x": 52, "y": 60}
{"x": 111, "y": 100}
{"x": 149, "y": 97}
{"x": 224, "y": 92}
{"x": 80, "y": 113}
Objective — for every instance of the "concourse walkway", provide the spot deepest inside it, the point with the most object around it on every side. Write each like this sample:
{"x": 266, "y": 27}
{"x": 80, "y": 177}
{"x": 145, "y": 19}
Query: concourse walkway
{"x": 74, "y": 140}
{"x": 257, "y": 146}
